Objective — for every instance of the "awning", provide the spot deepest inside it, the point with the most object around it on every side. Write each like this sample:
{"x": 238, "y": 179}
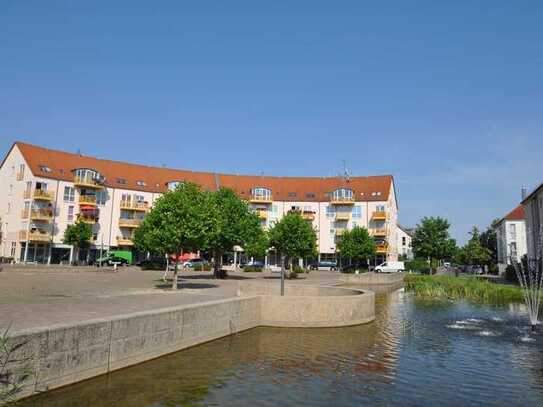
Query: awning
{"x": 87, "y": 208}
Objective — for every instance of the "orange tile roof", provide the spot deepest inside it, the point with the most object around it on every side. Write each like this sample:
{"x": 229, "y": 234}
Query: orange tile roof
{"x": 372, "y": 188}
{"x": 516, "y": 214}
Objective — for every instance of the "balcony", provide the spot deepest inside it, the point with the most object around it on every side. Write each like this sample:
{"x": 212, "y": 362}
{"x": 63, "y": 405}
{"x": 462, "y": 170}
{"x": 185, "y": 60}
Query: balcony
{"x": 381, "y": 248}
{"x": 87, "y": 218}
{"x": 41, "y": 214}
{"x": 379, "y": 215}
{"x": 262, "y": 214}
{"x": 89, "y": 200}
{"x": 27, "y": 194}
{"x": 35, "y": 235}
{"x": 124, "y": 241}
{"x": 25, "y": 213}
{"x": 40, "y": 195}
{"x": 342, "y": 200}
{"x": 20, "y": 176}
{"x": 343, "y": 216}
{"x": 340, "y": 231}
{"x": 134, "y": 206}
{"x": 266, "y": 199}
{"x": 129, "y": 223}
{"x": 379, "y": 232}
{"x": 308, "y": 215}
{"x": 87, "y": 182}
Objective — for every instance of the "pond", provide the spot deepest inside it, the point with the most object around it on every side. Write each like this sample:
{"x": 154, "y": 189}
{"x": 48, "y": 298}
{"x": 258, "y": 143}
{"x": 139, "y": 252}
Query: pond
{"x": 417, "y": 352}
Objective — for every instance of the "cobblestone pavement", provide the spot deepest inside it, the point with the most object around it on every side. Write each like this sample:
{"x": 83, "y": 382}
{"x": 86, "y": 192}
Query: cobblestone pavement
{"x": 41, "y": 297}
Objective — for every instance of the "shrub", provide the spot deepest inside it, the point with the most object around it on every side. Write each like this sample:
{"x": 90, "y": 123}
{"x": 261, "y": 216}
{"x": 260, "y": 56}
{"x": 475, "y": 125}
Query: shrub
{"x": 418, "y": 266}
{"x": 202, "y": 267}
{"x": 252, "y": 269}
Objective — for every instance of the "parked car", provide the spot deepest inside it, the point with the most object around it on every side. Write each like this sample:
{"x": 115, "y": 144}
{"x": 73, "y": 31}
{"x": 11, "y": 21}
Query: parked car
{"x": 192, "y": 263}
{"x": 390, "y": 267}
{"x": 255, "y": 263}
{"x": 110, "y": 260}
{"x": 324, "y": 265}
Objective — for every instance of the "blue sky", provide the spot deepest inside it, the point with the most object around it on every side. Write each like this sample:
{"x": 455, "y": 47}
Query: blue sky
{"x": 446, "y": 96}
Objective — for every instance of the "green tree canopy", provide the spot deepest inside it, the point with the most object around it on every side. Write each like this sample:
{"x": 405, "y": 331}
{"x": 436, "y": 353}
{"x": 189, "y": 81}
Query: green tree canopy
{"x": 234, "y": 225}
{"x": 257, "y": 245}
{"x": 179, "y": 221}
{"x": 473, "y": 252}
{"x": 293, "y": 236}
{"x": 432, "y": 240}
{"x": 356, "y": 245}
{"x": 78, "y": 235}
{"x": 489, "y": 240}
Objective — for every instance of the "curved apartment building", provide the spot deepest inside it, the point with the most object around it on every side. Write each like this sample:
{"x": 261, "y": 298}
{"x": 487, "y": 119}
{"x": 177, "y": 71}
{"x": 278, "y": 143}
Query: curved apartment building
{"x": 43, "y": 191}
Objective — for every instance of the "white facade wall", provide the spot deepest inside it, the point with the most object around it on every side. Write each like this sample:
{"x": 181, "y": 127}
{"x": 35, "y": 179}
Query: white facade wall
{"x": 511, "y": 240}
{"x": 404, "y": 244}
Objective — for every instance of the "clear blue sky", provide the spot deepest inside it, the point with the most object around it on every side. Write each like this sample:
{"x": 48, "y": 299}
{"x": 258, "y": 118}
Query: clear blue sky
{"x": 446, "y": 96}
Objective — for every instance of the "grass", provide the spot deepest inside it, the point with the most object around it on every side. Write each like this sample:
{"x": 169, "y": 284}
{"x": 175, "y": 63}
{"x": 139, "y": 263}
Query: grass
{"x": 465, "y": 287}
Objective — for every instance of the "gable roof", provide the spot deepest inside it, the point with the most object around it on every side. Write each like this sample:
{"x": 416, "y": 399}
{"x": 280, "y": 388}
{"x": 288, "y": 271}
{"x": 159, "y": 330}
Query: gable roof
{"x": 61, "y": 165}
{"x": 516, "y": 214}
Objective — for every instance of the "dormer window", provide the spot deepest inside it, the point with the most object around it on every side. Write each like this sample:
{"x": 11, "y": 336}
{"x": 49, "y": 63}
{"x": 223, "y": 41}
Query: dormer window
{"x": 342, "y": 196}
{"x": 141, "y": 183}
{"x": 121, "y": 181}
{"x": 88, "y": 178}
{"x": 45, "y": 168}
{"x": 261, "y": 194}
{"x": 172, "y": 185}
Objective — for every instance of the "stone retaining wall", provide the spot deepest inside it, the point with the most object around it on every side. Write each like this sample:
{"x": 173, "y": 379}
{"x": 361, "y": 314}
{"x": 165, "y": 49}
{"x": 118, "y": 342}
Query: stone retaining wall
{"x": 372, "y": 278}
{"x": 65, "y": 354}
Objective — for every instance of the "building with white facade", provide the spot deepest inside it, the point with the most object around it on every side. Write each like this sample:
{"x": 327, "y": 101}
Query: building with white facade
{"x": 404, "y": 242}
{"x": 43, "y": 191}
{"x": 533, "y": 209}
{"x": 511, "y": 237}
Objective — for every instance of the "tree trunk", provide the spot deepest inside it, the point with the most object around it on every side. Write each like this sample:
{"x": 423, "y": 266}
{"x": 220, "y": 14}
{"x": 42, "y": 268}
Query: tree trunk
{"x": 216, "y": 264}
{"x": 176, "y": 270}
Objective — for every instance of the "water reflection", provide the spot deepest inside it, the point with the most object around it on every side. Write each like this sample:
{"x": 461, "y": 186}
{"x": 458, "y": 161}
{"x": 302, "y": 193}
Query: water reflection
{"x": 409, "y": 356}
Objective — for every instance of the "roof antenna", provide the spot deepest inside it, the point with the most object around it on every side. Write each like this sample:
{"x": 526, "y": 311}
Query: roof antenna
{"x": 346, "y": 175}
{"x": 79, "y": 152}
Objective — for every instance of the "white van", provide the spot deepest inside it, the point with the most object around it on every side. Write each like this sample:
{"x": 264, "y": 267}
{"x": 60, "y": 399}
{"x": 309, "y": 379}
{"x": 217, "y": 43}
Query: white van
{"x": 390, "y": 267}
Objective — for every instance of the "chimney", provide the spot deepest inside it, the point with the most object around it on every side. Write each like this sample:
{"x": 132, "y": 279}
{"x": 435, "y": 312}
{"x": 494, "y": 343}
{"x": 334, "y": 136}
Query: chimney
{"x": 523, "y": 193}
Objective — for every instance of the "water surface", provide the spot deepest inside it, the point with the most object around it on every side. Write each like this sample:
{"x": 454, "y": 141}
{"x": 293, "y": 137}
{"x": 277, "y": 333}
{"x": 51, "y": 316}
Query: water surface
{"x": 416, "y": 353}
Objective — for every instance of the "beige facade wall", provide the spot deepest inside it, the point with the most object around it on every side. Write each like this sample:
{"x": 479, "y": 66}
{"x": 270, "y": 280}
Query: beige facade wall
{"x": 107, "y": 229}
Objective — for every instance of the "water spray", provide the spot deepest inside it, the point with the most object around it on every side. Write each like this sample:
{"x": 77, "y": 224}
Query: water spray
{"x": 530, "y": 275}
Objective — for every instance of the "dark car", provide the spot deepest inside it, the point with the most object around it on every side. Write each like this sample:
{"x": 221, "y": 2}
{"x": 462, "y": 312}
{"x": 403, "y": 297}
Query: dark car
{"x": 193, "y": 263}
{"x": 324, "y": 265}
{"x": 111, "y": 260}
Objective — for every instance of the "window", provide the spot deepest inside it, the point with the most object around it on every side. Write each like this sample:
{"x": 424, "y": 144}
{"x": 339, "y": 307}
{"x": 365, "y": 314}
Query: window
{"x": 403, "y": 241}
{"x": 22, "y": 169}
{"x": 330, "y": 211}
{"x": 357, "y": 211}
{"x": 41, "y": 186}
{"x": 261, "y": 193}
{"x": 139, "y": 198}
{"x": 513, "y": 231}
{"x": 141, "y": 183}
{"x": 310, "y": 195}
{"x": 380, "y": 208}
{"x": 45, "y": 168}
{"x": 121, "y": 181}
{"x": 172, "y": 186}
{"x": 126, "y": 198}
{"x": 307, "y": 208}
{"x": 101, "y": 197}
{"x": 69, "y": 194}
{"x": 70, "y": 214}
{"x": 13, "y": 248}
{"x": 292, "y": 194}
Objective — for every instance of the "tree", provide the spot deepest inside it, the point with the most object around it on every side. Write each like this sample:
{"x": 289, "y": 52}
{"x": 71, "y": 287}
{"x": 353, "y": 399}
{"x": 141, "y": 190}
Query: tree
{"x": 78, "y": 235}
{"x": 257, "y": 246}
{"x": 356, "y": 245}
{"x": 234, "y": 224}
{"x": 432, "y": 240}
{"x": 473, "y": 252}
{"x": 179, "y": 221}
{"x": 294, "y": 237}
{"x": 489, "y": 240}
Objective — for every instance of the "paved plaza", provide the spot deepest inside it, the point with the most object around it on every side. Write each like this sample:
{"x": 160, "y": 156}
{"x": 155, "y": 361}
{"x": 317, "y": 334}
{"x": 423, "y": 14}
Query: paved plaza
{"x": 39, "y": 297}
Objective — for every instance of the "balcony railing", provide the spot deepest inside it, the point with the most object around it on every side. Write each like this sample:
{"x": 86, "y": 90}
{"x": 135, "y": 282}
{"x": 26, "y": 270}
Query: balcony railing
{"x": 90, "y": 219}
{"x": 27, "y": 194}
{"x": 308, "y": 215}
{"x": 25, "y": 213}
{"x": 134, "y": 206}
{"x": 35, "y": 235}
{"x": 343, "y": 216}
{"x": 87, "y": 200}
{"x": 381, "y": 248}
{"x": 41, "y": 195}
{"x": 129, "y": 223}
{"x": 41, "y": 214}
{"x": 87, "y": 182}
{"x": 340, "y": 231}
{"x": 262, "y": 214}
{"x": 342, "y": 200}
{"x": 379, "y": 215}
{"x": 20, "y": 176}
{"x": 379, "y": 232}
{"x": 124, "y": 241}
{"x": 267, "y": 199}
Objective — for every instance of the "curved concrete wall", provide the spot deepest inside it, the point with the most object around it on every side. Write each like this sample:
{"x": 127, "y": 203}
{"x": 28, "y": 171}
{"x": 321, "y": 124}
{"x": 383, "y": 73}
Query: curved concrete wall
{"x": 65, "y": 354}
{"x": 372, "y": 278}
{"x": 311, "y": 306}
